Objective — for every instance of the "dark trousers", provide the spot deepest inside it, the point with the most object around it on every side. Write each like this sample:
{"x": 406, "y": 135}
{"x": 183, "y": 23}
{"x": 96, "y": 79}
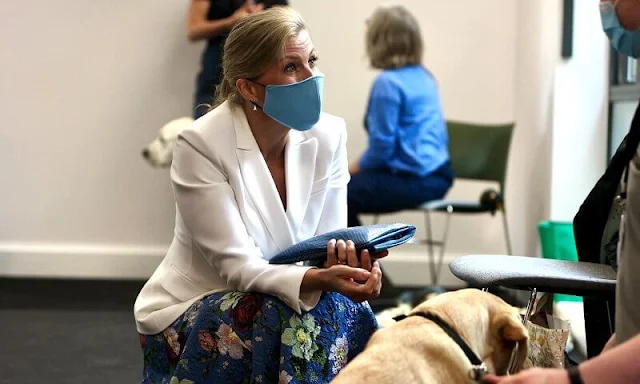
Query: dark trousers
{"x": 208, "y": 78}
{"x": 386, "y": 192}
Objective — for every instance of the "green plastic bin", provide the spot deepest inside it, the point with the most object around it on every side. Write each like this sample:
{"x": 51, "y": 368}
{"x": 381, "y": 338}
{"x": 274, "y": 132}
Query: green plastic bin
{"x": 558, "y": 243}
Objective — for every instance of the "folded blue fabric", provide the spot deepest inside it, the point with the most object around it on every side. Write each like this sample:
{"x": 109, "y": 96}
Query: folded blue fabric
{"x": 374, "y": 238}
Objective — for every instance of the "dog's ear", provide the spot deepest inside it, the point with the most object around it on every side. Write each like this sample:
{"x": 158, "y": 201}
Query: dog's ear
{"x": 511, "y": 331}
{"x": 510, "y": 328}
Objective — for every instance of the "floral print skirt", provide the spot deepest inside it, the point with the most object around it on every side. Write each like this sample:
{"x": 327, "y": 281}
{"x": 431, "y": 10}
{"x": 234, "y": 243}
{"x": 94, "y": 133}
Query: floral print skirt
{"x": 235, "y": 337}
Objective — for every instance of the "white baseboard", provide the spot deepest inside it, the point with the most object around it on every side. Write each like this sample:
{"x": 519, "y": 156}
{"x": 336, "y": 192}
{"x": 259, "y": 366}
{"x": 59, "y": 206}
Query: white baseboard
{"x": 80, "y": 261}
{"x": 407, "y": 265}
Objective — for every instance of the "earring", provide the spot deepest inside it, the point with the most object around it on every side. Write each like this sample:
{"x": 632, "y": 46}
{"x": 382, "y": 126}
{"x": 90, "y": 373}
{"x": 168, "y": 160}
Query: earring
{"x": 254, "y": 105}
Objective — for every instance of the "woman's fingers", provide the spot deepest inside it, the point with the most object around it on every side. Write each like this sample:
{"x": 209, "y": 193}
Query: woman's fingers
{"x": 352, "y": 256}
{"x": 378, "y": 270}
{"x": 351, "y": 275}
{"x": 365, "y": 260}
{"x": 257, "y": 8}
{"x": 371, "y": 286}
{"x": 345, "y": 280}
{"x": 341, "y": 245}
{"x": 347, "y": 254}
{"x": 369, "y": 290}
{"x": 381, "y": 254}
{"x": 332, "y": 257}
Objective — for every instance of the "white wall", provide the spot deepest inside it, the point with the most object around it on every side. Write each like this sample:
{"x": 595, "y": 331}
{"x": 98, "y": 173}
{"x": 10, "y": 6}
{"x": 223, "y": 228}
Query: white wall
{"x": 473, "y": 59}
{"x": 561, "y": 111}
{"x": 581, "y": 112}
{"x": 86, "y": 85}
{"x": 537, "y": 53}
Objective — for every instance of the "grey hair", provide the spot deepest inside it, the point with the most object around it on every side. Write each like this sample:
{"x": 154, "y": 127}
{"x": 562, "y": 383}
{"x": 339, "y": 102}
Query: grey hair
{"x": 393, "y": 38}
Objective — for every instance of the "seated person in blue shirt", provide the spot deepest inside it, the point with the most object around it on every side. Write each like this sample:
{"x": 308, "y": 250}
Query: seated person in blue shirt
{"x": 407, "y": 161}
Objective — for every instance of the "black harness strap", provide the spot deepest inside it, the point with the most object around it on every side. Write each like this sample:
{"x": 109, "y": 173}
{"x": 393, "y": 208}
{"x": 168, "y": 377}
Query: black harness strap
{"x": 479, "y": 369}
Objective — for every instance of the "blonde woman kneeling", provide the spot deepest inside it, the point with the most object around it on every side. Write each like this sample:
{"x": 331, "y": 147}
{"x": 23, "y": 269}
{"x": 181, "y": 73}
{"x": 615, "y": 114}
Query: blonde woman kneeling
{"x": 263, "y": 170}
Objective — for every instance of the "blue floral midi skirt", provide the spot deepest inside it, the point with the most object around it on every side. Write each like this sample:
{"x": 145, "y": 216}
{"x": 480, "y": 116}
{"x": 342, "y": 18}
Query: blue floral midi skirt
{"x": 234, "y": 337}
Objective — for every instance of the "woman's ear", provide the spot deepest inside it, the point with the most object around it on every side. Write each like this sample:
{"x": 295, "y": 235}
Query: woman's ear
{"x": 246, "y": 89}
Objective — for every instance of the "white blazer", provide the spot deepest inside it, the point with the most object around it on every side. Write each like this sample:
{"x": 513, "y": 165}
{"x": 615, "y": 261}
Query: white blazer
{"x": 230, "y": 219}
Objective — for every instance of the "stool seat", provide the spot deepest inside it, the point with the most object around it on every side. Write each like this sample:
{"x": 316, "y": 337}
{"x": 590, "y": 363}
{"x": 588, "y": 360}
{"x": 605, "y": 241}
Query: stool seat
{"x": 546, "y": 275}
{"x": 457, "y": 206}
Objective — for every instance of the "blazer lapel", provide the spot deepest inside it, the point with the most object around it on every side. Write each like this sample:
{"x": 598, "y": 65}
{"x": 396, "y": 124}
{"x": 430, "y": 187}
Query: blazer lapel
{"x": 259, "y": 183}
{"x": 300, "y": 164}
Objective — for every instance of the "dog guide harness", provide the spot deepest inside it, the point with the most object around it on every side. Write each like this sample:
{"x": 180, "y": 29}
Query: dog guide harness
{"x": 478, "y": 368}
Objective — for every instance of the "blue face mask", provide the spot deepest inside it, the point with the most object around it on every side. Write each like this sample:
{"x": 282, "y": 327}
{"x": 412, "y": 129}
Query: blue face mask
{"x": 297, "y": 106}
{"x": 624, "y": 41}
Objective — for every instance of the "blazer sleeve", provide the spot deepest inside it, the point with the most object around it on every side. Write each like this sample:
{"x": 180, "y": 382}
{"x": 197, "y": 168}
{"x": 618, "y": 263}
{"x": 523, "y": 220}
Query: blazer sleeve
{"x": 207, "y": 205}
{"x": 334, "y": 212}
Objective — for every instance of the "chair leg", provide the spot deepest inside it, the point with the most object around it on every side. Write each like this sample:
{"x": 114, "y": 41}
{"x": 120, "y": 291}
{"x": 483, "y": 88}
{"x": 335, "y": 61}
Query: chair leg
{"x": 444, "y": 243}
{"x": 609, "y": 317}
{"x": 532, "y": 301}
{"x": 432, "y": 262}
{"x": 505, "y": 225}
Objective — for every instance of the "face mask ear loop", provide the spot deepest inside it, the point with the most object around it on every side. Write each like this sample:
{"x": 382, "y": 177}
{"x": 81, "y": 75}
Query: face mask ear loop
{"x": 254, "y": 101}
{"x": 255, "y": 105}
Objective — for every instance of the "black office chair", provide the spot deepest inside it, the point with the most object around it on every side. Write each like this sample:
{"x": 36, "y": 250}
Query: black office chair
{"x": 533, "y": 274}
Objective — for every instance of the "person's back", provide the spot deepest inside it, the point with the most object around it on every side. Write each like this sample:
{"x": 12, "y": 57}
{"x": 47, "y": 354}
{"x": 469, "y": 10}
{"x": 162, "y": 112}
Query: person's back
{"x": 407, "y": 161}
{"x": 421, "y": 139}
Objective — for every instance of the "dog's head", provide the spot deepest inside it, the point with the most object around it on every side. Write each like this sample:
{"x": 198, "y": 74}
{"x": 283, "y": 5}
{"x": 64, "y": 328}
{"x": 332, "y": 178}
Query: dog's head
{"x": 491, "y": 327}
{"x": 159, "y": 152}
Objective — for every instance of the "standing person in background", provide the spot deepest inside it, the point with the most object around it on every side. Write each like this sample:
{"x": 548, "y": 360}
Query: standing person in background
{"x": 212, "y": 20}
{"x": 407, "y": 161}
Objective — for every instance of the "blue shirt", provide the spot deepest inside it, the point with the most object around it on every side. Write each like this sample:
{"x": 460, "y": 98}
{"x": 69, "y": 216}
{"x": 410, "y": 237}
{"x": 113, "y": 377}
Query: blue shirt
{"x": 407, "y": 130}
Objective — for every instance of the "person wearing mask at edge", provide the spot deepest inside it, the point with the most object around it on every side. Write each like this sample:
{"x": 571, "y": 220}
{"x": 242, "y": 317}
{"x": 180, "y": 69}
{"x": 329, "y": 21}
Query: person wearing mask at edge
{"x": 407, "y": 161}
{"x": 265, "y": 169}
{"x": 211, "y": 20}
{"x": 618, "y": 361}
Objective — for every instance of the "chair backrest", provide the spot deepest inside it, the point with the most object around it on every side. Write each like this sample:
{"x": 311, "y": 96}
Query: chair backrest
{"x": 479, "y": 151}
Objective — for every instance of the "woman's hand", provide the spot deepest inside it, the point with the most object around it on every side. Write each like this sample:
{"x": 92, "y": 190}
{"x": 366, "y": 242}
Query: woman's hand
{"x": 531, "y": 376}
{"x": 355, "y": 283}
{"x": 239, "y": 14}
{"x": 247, "y": 8}
{"x": 354, "y": 168}
{"x": 344, "y": 252}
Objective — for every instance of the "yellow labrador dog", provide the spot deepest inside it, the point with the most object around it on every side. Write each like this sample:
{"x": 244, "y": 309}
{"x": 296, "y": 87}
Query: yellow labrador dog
{"x": 418, "y": 350}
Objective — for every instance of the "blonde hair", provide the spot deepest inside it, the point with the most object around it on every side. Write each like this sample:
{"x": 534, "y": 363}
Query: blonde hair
{"x": 253, "y": 44}
{"x": 393, "y": 38}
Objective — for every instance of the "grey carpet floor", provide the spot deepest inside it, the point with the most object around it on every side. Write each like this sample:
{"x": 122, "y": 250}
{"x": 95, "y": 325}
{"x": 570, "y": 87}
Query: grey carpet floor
{"x": 68, "y": 332}
{"x": 78, "y": 331}
{"x": 68, "y": 346}
{"x": 74, "y": 331}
